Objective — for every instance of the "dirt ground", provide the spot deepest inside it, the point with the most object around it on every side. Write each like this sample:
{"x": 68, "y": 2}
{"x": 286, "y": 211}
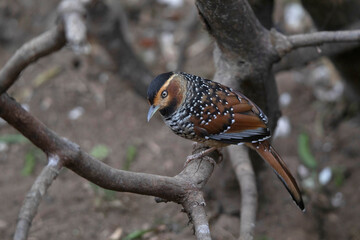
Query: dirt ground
{"x": 111, "y": 114}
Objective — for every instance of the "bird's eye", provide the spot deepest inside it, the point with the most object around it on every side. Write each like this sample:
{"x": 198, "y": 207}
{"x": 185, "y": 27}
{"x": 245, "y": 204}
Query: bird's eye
{"x": 164, "y": 94}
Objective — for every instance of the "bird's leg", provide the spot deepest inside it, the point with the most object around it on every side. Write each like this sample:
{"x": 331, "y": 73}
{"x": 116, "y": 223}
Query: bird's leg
{"x": 199, "y": 155}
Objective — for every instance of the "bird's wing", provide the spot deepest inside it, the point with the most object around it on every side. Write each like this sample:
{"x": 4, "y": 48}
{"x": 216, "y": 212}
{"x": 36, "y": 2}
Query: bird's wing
{"x": 230, "y": 117}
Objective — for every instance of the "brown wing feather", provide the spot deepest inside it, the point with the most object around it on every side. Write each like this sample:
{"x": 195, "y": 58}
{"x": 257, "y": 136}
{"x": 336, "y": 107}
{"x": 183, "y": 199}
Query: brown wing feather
{"x": 244, "y": 122}
{"x": 230, "y": 115}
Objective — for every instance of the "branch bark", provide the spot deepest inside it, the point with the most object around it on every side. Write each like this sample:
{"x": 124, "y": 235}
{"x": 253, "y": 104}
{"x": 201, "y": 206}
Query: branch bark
{"x": 302, "y": 56}
{"x": 246, "y": 177}
{"x": 72, "y": 157}
{"x": 183, "y": 188}
{"x": 195, "y": 207}
{"x": 285, "y": 44}
{"x": 34, "y": 197}
{"x": 318, "y": 38}
{"x": 40, "y": 46}
{"x": 243, "y": 53}
{"x": 243, "y": 57}
{"x": 72, "y": 14}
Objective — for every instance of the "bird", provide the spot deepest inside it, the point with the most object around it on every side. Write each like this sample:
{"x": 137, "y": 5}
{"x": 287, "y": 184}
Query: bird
{"x": 208, "y": 112}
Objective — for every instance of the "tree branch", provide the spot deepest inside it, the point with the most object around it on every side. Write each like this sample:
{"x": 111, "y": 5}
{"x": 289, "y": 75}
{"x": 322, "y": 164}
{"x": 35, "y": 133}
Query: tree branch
{"x": 180, "y": 188}
{"x": 244, "y": 52}
{"x": 195, "y": 207}
{"x": 318, "y": 38}
{"x": 246, "y": 177}
{"x": 34, "y": 197}
{"x": 285, "y": 44}
{"x": 243, "y": 56}
{"x": 302, "y": 56}
{"x": 72, "y": 14}
{"x": 40, "y": 46}
{"x": 183, "y": 188}
{"x": 239, "y": 18}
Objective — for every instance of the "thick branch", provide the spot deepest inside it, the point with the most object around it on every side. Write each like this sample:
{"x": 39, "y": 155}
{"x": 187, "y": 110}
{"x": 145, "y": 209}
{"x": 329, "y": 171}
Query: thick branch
{"x": 233, "y": 25}
{"x": 243, "y": 57}
{"x": 42, "y": 45}
{"x": 243, "y": 169}
{"x": 263, "y": 10}
{"x": 86, "y": 166}
{"x": 195, "y": 207}
{"x": 244, "y": 52}
{"x": 34, "y": 197}
{"x": 182, "y": 188}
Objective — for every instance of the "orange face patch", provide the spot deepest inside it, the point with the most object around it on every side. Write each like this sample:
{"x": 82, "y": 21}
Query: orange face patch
{"x": 175, "y": 90}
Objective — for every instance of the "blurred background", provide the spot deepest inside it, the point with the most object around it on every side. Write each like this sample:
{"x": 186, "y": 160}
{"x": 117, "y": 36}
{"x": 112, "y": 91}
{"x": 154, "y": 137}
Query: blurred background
{"x": 90, "y": 99}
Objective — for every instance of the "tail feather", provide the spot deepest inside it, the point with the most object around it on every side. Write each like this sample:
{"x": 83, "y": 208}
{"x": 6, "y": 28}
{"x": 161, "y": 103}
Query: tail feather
{"x": 268, "y": 153}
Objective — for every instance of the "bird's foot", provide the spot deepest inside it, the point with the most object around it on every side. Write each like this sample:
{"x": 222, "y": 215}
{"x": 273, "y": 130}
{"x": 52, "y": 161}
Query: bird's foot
{"x": 202, "y": 154}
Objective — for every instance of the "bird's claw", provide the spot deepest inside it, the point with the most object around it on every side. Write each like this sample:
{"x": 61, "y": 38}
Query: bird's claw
{"x": 200, "y": 155}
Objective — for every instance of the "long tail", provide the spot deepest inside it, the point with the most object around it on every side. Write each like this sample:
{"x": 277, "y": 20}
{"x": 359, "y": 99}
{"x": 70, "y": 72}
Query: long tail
{"x": 268, "y": 153}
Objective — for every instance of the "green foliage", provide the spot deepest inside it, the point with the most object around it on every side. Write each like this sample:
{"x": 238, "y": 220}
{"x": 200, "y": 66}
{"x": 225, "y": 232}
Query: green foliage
{"x": 130, "y": 157}
{"x": 31, "y": 158}
{"x": 339, "y": 176}
{"x": 13, "y": 138}
{"x": 47, "y": 75}
{"x": 304, "y": 151}
{"x": 29, "y": 164}
{"x": 137, "y": 234}
{"x": 106, "y": 194}
{"x": 100, "y": 152}
{"x": 263, "y": 237}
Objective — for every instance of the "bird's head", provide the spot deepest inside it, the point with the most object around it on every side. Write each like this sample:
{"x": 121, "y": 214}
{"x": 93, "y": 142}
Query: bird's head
{"x": 166, "y": 93}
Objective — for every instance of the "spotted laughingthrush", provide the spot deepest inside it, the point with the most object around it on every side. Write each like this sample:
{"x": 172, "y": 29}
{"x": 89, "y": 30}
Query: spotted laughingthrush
{"x": 208, "y": 112}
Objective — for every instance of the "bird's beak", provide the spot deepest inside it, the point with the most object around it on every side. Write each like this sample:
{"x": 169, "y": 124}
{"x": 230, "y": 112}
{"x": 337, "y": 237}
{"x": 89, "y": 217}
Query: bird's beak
{"x": 153, "y": 109}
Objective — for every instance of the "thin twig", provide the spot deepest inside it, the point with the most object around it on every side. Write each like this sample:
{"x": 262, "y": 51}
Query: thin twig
{"x": 285, "y": 44}
{"x": 34, "y": 197}
{"x": 318, "y": 38}
{"x": 246, "y": 177}
{"x": 40, "y": 46}
{"x": 302, "y": 56}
